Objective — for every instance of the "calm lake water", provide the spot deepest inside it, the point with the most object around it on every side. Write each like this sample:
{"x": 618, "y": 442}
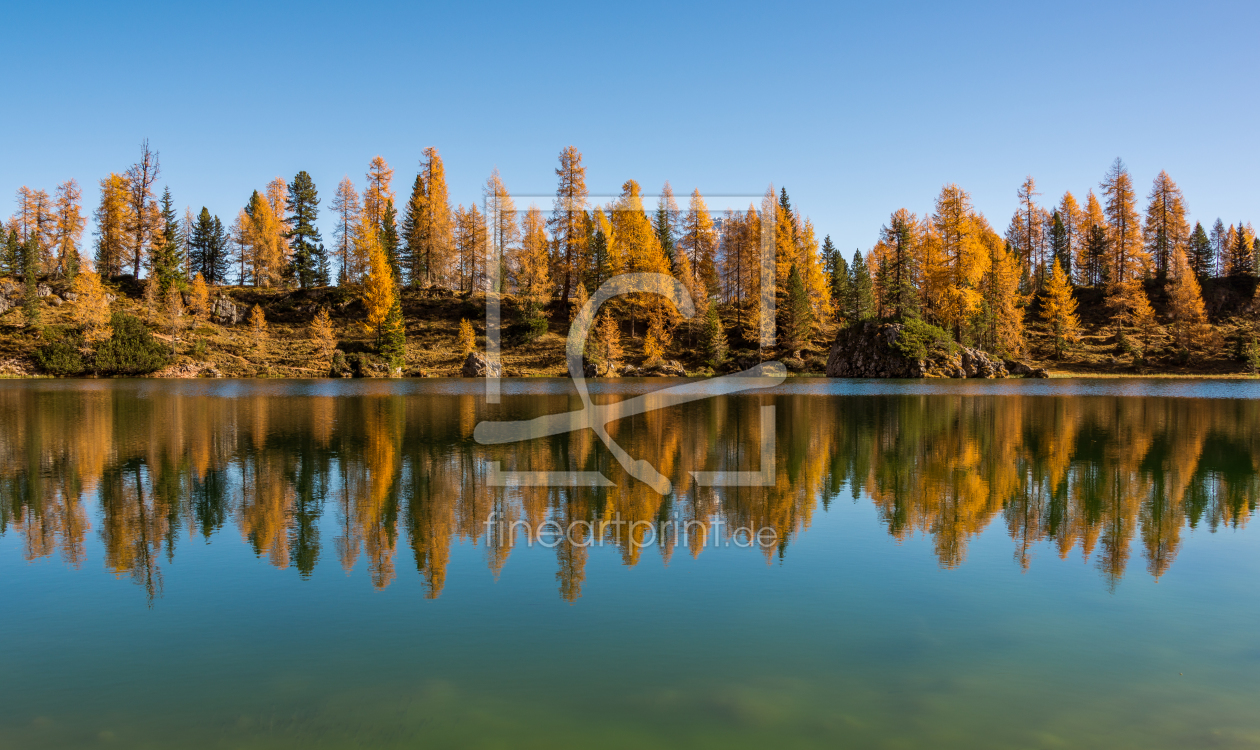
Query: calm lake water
{"x": 310, "y": 564}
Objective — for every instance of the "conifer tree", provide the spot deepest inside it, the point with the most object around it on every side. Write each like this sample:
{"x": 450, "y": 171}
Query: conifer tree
{"x": 199, "y": 295}
{"x": 1060, "y": 246}
{"x": 1075, "y": 226}
{"x": 166, "y": 259}
{"x": 69, "y": 222}
{"x": 841, "y": 284}
{"x": 863, "y": 299}
{"x": 1027, "y": 229}
{"x": 607, "y": 349}
{"x": 580, "y": 298}
{"x": 466, "y": 340}
{"x": 785, "y": 249}
{"x": 817, "y": 289}
{"x": 1220, "y": 248}
{"x": 349, "y": 218}
{"x": 305, "y": 243}
{"x": 568, "y": 219}
{"x": 436, "y": 223}
{"x": 413, "y": 237}
{"x": 112, "y": 219}
{"x": 1003, "y": 330}
{"x": 1058, "y": 310}
{"x": 1200, "y": 252}
{"x": 666, "y": 222}
{"x": 1132, "y": 313}
{"x": 532, "y": 274}
{"x": 260, "y": 236}
{"x": 1092, "y": 255}
{"x": 389, "y": 238}
{"x": 900, "y": 238}
{"x": 1124, "y": 232}
{"x": 258, "y": 327}
{"x": 91, "y": 306}
{"x": 1240, "y": 252}
{"x": 144, "y": 226}
{"x": 378, "y": 293}
{"x": 600, "y": 249}
{"x": 716, "y": 347}
{"x": 503, "y": 232}
{"x": 1185, "y": 305}
{"x": 30, "y": 279}
{"x": 699, "y": 241}
{"x": 796, "y": 320}
{"x": 8, "y": 265}
{"x": 376, "y": 193}
{"x": 1166, "y": 228}
{"x": 393, "y": 345}
{"x": 658, "y": 337}
{"x": 964, "y": 253}
{"x": 322, "y": 332}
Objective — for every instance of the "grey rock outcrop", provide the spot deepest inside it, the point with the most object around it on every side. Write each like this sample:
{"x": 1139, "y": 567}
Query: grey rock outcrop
{"x": 477, "y": 366}
{"x": 869, "y": 350}
{"x": 225, "y": 312}
{"x": 670, "y": 368}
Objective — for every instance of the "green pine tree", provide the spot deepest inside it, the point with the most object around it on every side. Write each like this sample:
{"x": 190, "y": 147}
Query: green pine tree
{"x": 412, "y": 257}
{"x": 716, "y": 347}
{"x": 8, "y": 254}
{"x": 166, "y": 261}
{"x": 30, "y": 270}
{"x": 1096, "y": 256}
{"x": 863, "y": 293}
{"x": 838, "y": 279}
{"x": 663, "y": 223}
{"x": 389, "y": 239}
{"x": 1059, "y": 244}
{"x": 1200, "y": 255}
{"x": 393, "y": 344}
{"x": 797, "y": 319}
{"x": 304, "y": 240}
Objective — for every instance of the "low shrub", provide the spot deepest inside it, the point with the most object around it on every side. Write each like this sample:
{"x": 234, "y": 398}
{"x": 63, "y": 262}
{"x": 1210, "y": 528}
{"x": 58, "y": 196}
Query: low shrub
{"x": 131, "y": 350}
{"x": 531, "y": 326}
{"x": 60, "y": 355}
{"x": 918, "y": 339}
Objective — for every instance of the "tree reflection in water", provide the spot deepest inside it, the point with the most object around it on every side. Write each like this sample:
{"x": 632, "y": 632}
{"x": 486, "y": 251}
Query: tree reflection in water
{"x": 156, "y": 465}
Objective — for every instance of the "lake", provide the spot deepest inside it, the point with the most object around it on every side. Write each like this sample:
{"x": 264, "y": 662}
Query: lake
{"x": 335, "y": 564}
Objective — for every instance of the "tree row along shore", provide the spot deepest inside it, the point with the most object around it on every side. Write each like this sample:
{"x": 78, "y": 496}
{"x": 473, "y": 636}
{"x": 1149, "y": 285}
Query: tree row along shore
{"x": 1088, "y": 285}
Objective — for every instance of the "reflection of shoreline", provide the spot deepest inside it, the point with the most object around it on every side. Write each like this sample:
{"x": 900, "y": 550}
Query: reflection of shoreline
{"x": 391, "y": 462}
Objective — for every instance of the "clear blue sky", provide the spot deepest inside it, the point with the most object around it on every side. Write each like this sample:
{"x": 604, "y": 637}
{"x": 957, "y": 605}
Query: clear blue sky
{"x": 857, "y": 110}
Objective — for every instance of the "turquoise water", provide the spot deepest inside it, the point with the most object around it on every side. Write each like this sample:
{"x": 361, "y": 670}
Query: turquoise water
{"x": 262, "y": 564}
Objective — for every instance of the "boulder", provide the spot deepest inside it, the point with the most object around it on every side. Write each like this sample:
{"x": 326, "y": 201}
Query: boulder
{"x": 5, "y": 304}
{"x": 600, "y": 370}
{"x": 868, "y": 350}
{"x": 54, "y": 300}
{"x": 225, "y": 312}
{"x": 477, "y": 366}
{"x": 1016, "y": 367}
{"x": 69, "y": 296}
{"x": 43, "y": 290}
